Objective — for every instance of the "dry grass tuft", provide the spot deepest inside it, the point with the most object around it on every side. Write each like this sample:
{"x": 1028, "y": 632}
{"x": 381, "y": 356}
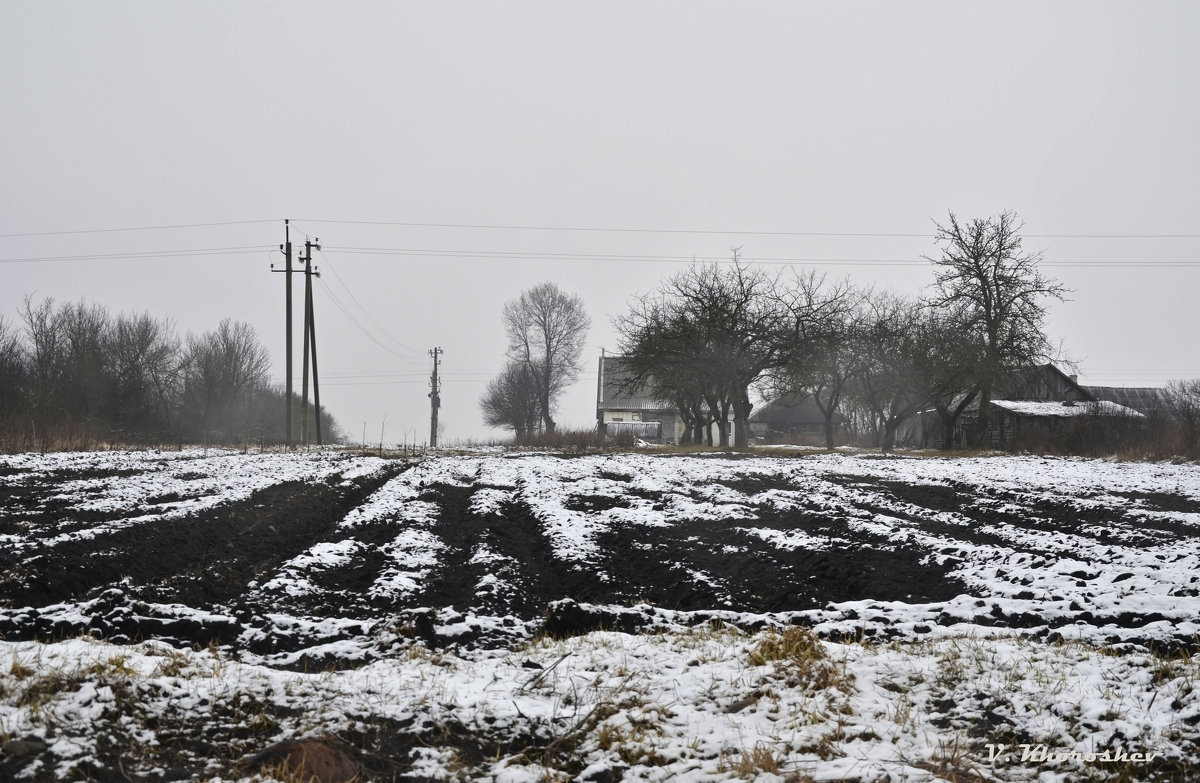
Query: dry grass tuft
{"x": 749, "y": 764}
{"x": 801, "y": 656}
{"x": 308, "y": 762}
{"x": 794, "y": 644}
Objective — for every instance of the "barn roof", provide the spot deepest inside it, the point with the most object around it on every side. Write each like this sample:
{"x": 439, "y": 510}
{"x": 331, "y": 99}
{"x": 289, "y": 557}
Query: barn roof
{"x": 1141, "y": 398}
{"x": 1059, "y": 410}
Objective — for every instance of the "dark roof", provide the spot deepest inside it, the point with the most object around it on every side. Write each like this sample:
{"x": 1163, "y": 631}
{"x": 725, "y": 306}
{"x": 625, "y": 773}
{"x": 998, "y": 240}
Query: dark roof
{"x": 614, "y": 394}
{"x": 1027, "y": 384}
{"x": 1144, "y": 399}
{"x": 1038, "y": 383}
{"x": 792, "y": 408}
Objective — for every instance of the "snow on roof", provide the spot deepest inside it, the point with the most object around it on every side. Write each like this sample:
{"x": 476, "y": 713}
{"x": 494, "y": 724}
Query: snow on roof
{"x": 1058, "y": 409}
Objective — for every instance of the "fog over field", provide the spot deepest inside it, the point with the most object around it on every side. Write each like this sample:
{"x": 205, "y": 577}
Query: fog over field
{"x": 449, "y": 157}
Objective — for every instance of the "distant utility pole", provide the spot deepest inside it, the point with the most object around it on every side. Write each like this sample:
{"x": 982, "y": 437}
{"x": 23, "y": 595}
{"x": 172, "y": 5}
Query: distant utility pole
{"x": 310, "y": 346}
{"x": 287, "y": 271}
{"x": 312, "y": 336}
{"x": 435, "y": 399}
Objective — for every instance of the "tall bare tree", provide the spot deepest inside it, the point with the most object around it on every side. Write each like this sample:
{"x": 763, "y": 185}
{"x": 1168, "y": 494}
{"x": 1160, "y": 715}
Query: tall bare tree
{"x": 984, "y": 270}
{"x": 547, "y": 329}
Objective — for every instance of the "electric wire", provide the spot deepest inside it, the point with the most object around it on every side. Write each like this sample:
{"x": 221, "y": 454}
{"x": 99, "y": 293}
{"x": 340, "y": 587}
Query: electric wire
{"x": 350, "y": 317}
{"x": 570, "y": 257}
{"x": 576, "y": 229}
{"x": 673, "y": 259}
{"x": 143, "y": 254}
{"x": 136, "y": 228}
{"x": 404, "y": 348}
{"x": 615, "y": 230}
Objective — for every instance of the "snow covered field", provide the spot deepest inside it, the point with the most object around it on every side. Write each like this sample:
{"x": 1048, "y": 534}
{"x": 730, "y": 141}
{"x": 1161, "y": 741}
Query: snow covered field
{"x": 635, "y": 616}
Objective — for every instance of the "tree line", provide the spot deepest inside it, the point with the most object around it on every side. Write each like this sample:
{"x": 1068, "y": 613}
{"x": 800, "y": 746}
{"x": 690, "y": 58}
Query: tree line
{"x": 712, "y": 337}
{"x": 709, "y": 334}
{"x": 76, "y": 375}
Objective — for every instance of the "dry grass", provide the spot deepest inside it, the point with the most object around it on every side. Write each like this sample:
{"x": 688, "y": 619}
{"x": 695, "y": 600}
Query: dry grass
{"x": 951, "y": 762}
{"x": 793, "y": 644}
{"x": 749, "y": 764}
{"x": 800, "y": 656}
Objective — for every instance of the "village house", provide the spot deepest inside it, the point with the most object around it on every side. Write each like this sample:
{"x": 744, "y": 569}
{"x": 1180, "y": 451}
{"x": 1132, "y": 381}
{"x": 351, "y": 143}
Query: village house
{"x": 623, "y": 409}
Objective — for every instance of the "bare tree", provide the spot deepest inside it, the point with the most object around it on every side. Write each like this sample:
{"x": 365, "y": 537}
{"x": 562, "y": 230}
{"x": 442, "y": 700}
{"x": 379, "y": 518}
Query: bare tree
{"x": 688, "y": 340}
{"x": 827, "y": 360}
{"x": 46, "y": 360}
{"x": 710, "y": 332}
{"x": 890, "y": 370}
{"x": 1184, "y": 403}
{"x": 87, "y": 381}
{"x": 144, "y": 357}
{"x": 546, "y": 330}
{"x": 12, "y": 371}
{"x": 952, "y": 364}
{"x": 660, "y": 355}
{"x": 984, "y": 271}
{"x": 222, "y": 371}
{"x": 512, "y": 400}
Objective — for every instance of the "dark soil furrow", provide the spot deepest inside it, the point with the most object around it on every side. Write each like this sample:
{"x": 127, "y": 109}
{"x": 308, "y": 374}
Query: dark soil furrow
{"x": 716, "y": 564}
{"x": 524, "y": 574}
{"x": 201, "y": 559}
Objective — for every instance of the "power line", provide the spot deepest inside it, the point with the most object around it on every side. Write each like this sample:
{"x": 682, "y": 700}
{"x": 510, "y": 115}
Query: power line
{"x": 138, "y": 255}
{"x": 670, "y": 259}
{"x": 350, "y": 317}
{"x": 135, "y": 228}
{"x": 503, "y": 255}
{"x": 408, "y": 379}
{"x": 613, "y": 230}
{"x": 384, "y": 332}
{"x": 580, "y": 257}
{"x": 576, "y": 229}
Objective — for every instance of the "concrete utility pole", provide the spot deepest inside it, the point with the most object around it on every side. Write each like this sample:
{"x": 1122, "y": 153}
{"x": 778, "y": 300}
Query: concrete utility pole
{"x": 312, "y": 336}
{"x": 286, "y": 247}
{"x": 435, "y": 399}
{"x": 310, "y": 347}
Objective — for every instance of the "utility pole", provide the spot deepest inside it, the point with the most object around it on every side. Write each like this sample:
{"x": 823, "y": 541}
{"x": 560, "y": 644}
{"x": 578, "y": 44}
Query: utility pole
{"x": 312, "y": 337}
{"x": 310, "y": 347}
{"x": 286, "y": 247}
{"x": 435, "y": 399}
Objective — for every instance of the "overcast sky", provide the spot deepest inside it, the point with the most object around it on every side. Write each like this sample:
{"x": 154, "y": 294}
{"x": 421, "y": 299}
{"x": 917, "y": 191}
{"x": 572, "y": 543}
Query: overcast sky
{"x": 588, "y": 145}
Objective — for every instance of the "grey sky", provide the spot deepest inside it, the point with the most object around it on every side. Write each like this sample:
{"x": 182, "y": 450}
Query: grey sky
{"x": 832, "y": 117}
